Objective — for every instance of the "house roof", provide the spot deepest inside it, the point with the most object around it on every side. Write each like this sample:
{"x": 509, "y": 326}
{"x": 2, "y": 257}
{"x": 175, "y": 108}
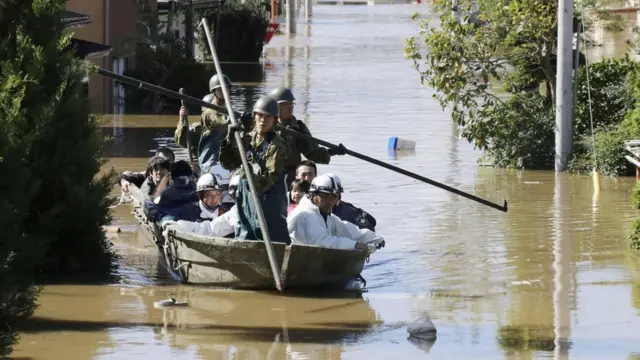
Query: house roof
{"x": 85, "y": 48}
{"x": 74, "y": 19}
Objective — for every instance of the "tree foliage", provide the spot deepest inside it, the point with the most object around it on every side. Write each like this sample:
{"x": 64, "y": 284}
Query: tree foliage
{"x": 464, "y": 59}
{"x": 238, "y": 28}
{"x": 53, "y": 206}
{"x": 494, "y": 67}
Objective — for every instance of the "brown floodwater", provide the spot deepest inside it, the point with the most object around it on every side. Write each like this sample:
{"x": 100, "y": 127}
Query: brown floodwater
{"x": 552, "y": 278}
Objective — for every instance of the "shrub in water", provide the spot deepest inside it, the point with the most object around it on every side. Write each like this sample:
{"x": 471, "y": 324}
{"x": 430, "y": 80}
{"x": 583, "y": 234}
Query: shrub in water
{"x": 53, "y": 207}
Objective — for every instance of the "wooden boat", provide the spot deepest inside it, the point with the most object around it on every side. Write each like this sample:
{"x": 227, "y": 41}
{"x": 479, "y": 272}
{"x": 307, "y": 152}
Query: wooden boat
{"x": 244, "y": 264}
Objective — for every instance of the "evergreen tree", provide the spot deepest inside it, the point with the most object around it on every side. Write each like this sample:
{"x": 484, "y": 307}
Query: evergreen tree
{"x": 52, "y": 201}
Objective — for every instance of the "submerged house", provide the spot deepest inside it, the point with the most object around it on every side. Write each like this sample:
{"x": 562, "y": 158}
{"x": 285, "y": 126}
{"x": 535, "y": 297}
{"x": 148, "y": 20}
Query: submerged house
{"x": 174, "y": 20}
{"x": 105, "y": 32}
{"x": 83, "y": 49}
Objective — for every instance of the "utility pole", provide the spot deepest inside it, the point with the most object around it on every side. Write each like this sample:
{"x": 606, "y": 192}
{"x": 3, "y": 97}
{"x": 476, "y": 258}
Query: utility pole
{"x": 291, "y": 17}
{"x": 564, "y": 96}
{"x": 308, "y": 9}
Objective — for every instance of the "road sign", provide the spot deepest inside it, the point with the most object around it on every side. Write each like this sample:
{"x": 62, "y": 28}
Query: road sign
{"x": 271, "y": 30}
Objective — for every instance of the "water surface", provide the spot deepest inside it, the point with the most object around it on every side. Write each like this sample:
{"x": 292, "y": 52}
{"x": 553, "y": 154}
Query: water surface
{"x": 549, "y": 279}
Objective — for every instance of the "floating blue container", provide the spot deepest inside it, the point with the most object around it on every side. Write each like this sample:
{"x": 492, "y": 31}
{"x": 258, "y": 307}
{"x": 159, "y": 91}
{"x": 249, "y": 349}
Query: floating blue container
{"x": 395, "y": 143}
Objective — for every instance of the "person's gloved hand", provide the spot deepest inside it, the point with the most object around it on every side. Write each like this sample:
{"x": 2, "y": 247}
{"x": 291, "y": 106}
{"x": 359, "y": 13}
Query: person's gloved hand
{"x": 167, "y": 223}
{"x": 231, "y": 130}
{"x": 378, "y": 241}
{"x": 340, "y": 150}
{"x": 246, "y": 119}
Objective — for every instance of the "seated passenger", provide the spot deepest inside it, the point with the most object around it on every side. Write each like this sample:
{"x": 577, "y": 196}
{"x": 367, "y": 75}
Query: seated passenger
{"x": 178, "y": 200}
{"x": 222, "y": 226}
{"x": 166, "y": 153}
{"x": 209, "y": 192}
{"x": 299, "y": 188}
{"x": 306, "y": 170}
{"x": 138, "y": 178}
{"x": 159, "y": 168}
{"x": 348, "y": 212}
{"x": 312, "y": 222}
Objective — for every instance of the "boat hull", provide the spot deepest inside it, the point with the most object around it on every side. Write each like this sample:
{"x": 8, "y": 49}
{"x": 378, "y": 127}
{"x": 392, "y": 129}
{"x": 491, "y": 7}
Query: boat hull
{"x": 244, "y": 264}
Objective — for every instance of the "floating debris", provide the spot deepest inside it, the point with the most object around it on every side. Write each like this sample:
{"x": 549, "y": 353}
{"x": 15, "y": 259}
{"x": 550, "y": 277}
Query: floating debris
{"x": 525, "y": 282}
{"x": 111, "y": 229}
{"x": 423, "y": 329}
{"x": 169, "y": 302}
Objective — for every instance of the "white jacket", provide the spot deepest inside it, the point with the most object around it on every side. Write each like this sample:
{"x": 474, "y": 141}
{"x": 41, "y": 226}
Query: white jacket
{"x": 307, "y": 226}
{"x": 205, "y": 213}
{"x": 222, "y": 225}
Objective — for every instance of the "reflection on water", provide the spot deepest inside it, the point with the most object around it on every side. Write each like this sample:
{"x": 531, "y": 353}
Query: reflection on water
{"x": 550, "y": 278}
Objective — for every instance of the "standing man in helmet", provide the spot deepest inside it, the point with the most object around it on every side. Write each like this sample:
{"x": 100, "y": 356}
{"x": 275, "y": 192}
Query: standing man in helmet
{"x": 206, "y": 135}
{"x": 312, "y": 222}
{"x": 299, "y": 146}
{"x": 267, "y": 155}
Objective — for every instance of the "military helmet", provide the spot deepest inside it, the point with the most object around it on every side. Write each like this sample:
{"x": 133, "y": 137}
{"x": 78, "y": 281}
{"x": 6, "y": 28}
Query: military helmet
{"x": 207, "y": 182}
{"x": 267, "y": 105}
{"x": 208, "y": 98}
{"x": 214, "y": 82}
{"x": 324, "y": 184}
{"x": 282, "y": 94}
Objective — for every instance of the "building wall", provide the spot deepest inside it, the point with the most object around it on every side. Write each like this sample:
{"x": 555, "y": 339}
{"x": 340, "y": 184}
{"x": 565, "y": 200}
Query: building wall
{"x": 113, "y": 22}
{"x": 92, "y": 32}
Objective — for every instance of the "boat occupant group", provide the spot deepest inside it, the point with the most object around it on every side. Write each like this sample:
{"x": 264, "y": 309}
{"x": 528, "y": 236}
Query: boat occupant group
{"x": 212, "y": 197}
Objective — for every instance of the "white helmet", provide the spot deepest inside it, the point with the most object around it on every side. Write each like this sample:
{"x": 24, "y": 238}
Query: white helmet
{"x": 222, "y": 175}
{"x": 337, "y": 180}
{"x": 324, "y": 184}
{"x": 207, "y": 182}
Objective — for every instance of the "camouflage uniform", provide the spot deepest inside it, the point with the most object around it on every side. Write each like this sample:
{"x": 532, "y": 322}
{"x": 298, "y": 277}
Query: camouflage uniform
{"x": 268, "y": 158}
{"x": 205, "y": 144}
{"x": 298, "y": 146}
{"x": 205, "y": 136}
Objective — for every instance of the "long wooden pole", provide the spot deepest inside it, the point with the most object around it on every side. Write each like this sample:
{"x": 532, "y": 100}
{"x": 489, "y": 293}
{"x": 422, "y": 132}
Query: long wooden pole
{"x": 398, "y": 170}
{"x": 221, "y": 109}
{"x": 275, "y": 268}
{"x": 185, "y": 123}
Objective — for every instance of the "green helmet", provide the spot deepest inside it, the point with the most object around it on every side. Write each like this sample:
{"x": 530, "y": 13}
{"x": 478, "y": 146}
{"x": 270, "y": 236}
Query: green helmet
{"x": 282, "y": 94}
{"x": 214, "y": 82}
{"x": 208, "y": 99}
{"x": 267, "y": 105}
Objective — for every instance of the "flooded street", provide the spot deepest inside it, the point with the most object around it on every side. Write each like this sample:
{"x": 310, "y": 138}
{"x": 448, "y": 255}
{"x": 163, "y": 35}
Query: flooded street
{"x": 552, "y": 278}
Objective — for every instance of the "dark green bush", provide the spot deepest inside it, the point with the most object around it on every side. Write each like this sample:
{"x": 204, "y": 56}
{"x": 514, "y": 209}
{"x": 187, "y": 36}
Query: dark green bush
{"x": 53, "y": 207}
{"x": 238, "y": 30}
{"x": 615, "y": 91}
{"x": 520, "y": 132}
